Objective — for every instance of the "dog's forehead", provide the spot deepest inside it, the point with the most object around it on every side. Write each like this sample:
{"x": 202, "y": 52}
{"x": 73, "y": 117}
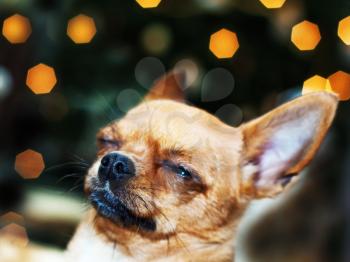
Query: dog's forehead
{"x": 176, "y": 125}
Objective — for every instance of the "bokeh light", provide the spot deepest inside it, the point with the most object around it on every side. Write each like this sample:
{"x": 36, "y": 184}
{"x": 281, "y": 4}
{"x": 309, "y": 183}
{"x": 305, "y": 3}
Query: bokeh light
{"x": 127, "y": 99}
{"x": 16, "y": 234}
{"x": 215, "y": 78}
{"x": 314, "y": 84}
{"x": 16, "y": 29}
{"x": 5, "y": 82}
{"x": 148, "y": 3}
{"x": 41, "y": 79}
{"x": 306, "y": 36}
{"x": 156, "y": 39}
{"x": 339, "y": 83}
{"x": 271, "y": 4}
{"x": 216, "y": 5}
{"x": 223, "y": 43}
{"x": 148, "y": 70}
{"x": 29, "y": 164}
{"x": 191, "y": 69}
{"x": 344, "y": 30}
{"x": 284, "y": 18}
{"x": 230, "y": 114}
{"x": 81, "y": 29}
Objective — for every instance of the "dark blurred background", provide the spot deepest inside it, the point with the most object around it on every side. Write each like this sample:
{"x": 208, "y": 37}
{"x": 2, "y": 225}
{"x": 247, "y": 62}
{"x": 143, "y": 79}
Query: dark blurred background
{"x": 99, "y": 81}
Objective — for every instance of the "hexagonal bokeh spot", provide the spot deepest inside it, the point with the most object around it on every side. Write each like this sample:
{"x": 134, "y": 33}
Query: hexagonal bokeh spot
{"x": 314, "y": 84}
{"x": 306, "y": 36}
{"x": 344, "y": 30}
{"x": 29, "y": 164}
{"x": 81, "y": 29}
{"x": 15, "y": 234}
{"x": 148, "y": 3}
{"x": 16, "y": 29}
{"x": 223, "y": 43}
{"x": 41, "y": 79}
{"x": 273, "y": 3}
{"x": 339, "y": 83}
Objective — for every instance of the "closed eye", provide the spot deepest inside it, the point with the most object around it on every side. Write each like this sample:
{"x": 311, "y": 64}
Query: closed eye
{"x": 183, "y": 172}
{"x": 180, "y": 170}
{"x": 105, "y": 142}
{"x": 188, "y": 176}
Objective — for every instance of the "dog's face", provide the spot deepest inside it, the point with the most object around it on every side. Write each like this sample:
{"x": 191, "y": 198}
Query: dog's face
{"x": 169, "y": 168}
{"x": 166, "y": 165}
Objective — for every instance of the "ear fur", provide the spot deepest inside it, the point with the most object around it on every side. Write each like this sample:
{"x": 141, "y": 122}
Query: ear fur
{"x": 170, "y": 86}
{"x": 283, "y": 141}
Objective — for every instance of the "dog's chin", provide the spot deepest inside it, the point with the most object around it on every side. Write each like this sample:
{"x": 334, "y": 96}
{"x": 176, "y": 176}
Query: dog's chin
{"x": 111, "y": 207}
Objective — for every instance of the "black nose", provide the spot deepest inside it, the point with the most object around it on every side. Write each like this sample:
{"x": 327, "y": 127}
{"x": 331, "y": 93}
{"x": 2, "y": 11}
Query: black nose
{"x": 116, "y": 167}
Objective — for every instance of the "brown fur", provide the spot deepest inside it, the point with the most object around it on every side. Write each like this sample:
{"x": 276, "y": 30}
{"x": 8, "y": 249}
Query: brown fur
{"x": 197, "y": 218}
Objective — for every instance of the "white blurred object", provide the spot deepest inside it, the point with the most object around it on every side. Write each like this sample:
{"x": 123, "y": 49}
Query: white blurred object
{"x": 48, "y": 205}
{"x": 10, "y": 252}
{"x": 5, "y": 82}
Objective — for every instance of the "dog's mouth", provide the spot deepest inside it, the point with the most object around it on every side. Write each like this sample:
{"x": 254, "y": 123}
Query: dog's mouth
{"x": 111, "y": 207}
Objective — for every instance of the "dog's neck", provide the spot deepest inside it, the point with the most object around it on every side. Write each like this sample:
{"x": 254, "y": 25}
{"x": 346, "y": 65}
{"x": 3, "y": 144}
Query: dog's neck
{"x": 118, "y": 243}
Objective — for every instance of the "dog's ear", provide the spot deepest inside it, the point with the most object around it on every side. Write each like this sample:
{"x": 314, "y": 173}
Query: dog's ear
{"x": 282, "y": 142}
{"x": 171, "y": 86}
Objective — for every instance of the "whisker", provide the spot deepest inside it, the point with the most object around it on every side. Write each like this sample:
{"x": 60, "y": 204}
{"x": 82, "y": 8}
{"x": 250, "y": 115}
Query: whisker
{"x": 138, "y": 224}
{"x": 75, "y": 187}
{"x": 68, "y": 164}
{"x": 79, "y": 159}
{"x": 143, "y": 201}
{"x": 70, "y": 175}
{"x": 172, "y": 231}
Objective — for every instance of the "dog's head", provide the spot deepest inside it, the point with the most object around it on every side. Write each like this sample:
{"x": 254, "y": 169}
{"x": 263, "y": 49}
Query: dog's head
{"x": 167, "y": 167}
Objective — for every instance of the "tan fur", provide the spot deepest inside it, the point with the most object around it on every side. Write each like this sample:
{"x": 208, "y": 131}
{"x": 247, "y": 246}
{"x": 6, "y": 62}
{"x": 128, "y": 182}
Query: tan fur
{"x": 196, "y": 220}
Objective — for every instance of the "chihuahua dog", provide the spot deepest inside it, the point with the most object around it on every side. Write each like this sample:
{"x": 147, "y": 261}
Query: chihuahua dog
{"x": 171, "y": 181}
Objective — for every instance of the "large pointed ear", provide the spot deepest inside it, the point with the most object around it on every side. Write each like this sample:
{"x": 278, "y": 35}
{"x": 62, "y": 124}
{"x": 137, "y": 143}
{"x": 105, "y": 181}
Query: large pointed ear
{"x": 171, "y": 86}
{"x": 282, "y": 142}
